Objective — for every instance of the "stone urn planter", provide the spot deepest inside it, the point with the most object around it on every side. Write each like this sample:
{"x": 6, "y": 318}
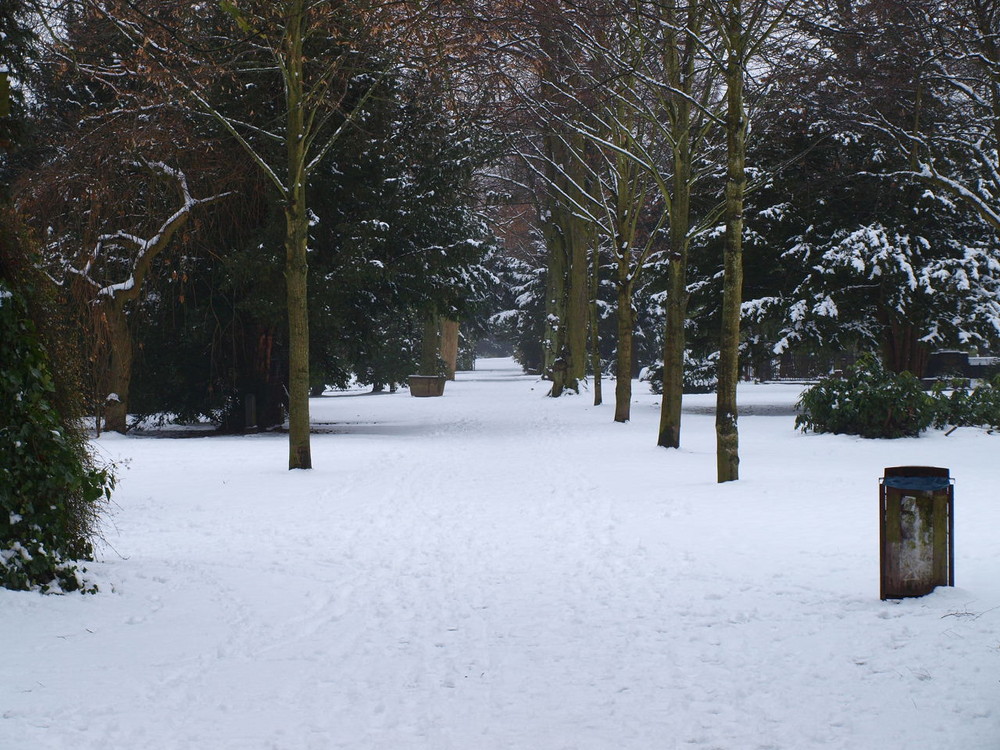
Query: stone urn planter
{"x": 427, "y": 385}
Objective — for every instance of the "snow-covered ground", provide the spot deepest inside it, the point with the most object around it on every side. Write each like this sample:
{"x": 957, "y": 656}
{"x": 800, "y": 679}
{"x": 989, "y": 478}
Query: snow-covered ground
{"x": 494, "y": 569}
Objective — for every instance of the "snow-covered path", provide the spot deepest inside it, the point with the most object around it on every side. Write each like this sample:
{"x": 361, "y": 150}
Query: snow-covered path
{"x": 494, "y": 569}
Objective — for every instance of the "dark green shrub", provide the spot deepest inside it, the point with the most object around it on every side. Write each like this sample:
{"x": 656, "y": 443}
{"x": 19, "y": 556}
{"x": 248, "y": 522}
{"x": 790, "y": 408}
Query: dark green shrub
{"x": 700, "y": 374}
{"x": 50, "y": 491}
{"x": 961, "y": 406}
{"x": 868, "y": 401}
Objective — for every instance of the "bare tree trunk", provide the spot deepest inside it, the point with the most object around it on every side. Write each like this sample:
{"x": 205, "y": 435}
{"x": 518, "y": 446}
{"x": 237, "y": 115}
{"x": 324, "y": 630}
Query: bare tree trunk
{"x": 677, "y": 299}
{"x": 296, "y": 270}
{"x": 902, "y": 350}
{"x": 595, "y": 324}
{"x": 623, "y": 367}
{"x": 555, "y": 302}
{"x": 568, "y": 238}
{"x": 726, "y": 413}
{"x": 449, "y": 346}
{"x": 119, "y": 376}
{"x": 296, "y": 243}
{"x": 430, "y": 346}
{"x": 566, "y": 233}
{"x": 679, "y": 63}
{"x": 671, "y": 402}
{"x": 578, "y": 294}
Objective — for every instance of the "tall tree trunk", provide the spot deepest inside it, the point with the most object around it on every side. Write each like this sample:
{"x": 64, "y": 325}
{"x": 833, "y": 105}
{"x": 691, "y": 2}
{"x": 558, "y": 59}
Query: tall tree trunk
{"x": 578, "y": 295}
{"x": 726, "y": 413}
{"x": 902, "y": 349}
{"x": 566, "y": 233}
{"x": 681, "y": 75}
{"x": 119, "y": 378}
{"x": 595, "y": 325}
{"x": 671, "y": 402}
{"x": 555, "y": 303}
{"x": 568, "y": 238}
{"x": 677, "y": 300}
{"x": 567, "y": 295}
{"x": 449, "y": 346}
{"x": 296, "y": 244}
{"x": 430, "y": 346}
{"x": 623, "y": 366}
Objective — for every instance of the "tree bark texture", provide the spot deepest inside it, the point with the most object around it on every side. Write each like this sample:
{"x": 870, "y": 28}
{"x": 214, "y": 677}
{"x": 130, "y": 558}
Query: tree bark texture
{"x": 902, "y": 350}
{"x": 623, "y": 368}
{"x": 567, "y": 234}
{"x": 568, "y": 238}
{"x": 726, "y": 413}
{"x": 679, "y": 64}
{"x": 595, "y": 325}
{"x": 430, "y": 346}
{"x": 676, "y": 315}
{"x": 671, "y": 402}
{"x": 582, "y": 237}
{"x": 555, "y": 302}
{"x": 449, "y": 346}
{"x": 296, "y": 245}
{"x": 120, "y": 350}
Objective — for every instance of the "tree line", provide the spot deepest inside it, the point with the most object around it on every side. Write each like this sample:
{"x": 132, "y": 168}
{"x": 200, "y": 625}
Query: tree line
{"x": 265, "y": 198}
{"x": 746, "y": 179}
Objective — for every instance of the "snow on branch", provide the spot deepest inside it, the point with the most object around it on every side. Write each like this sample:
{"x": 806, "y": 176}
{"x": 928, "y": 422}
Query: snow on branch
{"x": 146, "y": 248}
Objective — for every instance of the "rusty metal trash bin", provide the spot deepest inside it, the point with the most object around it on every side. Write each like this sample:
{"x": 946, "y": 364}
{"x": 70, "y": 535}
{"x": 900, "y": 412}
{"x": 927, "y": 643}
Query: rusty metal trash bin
{"x": 916, "y": 530}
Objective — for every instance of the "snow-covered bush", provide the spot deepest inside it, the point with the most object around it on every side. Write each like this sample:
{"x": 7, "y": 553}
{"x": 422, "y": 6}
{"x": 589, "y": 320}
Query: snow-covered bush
{"x": 869, "y": 401}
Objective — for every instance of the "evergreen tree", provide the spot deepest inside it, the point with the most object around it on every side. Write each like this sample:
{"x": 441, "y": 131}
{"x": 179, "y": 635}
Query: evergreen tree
{"x": 15, "y": 43}
{"x": 873, "y": 260}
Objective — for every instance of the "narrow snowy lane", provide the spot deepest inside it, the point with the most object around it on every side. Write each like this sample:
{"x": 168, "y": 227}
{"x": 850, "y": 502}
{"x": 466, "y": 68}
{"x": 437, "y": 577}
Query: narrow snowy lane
{"x": 494, "y": 569}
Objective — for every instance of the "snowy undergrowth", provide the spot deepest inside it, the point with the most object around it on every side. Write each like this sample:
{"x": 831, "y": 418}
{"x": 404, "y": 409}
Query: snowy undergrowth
{"x": 494, "y": 569}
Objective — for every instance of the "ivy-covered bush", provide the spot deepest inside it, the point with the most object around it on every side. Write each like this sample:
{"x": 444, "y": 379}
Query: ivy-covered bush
{"x": 50, "y": 490}
{"x": 869, "y": 401}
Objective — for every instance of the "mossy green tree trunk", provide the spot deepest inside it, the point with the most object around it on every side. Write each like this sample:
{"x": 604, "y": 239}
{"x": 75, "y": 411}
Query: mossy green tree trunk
{"x": 744, "y": 26}
{"x": 314, "y": 120}
{"x": 595, "y": 324}
{"x": 578, "y": 293}
{"x": 120, "y": 351}
{"x": 726, "y": 411}
{"x": 557, "y": 158}
{"x": 674, "y": 343}
{"x": 296, "y": 239}
{"x": 430, "y": 346}
{"x": 450, "y": 334}
{"x": 568, "y": 238}
{"x": 684, "y": 119}
{"x": 556, "y": 278}
{"x": 628, "y": 192}
{"x": 623, "y": 366}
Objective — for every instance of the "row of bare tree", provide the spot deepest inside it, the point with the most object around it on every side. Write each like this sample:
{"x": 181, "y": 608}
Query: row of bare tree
{"x": 633, "y": 142}
{"x": 626, "y": 109}
{"x": 626, "y": 127}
